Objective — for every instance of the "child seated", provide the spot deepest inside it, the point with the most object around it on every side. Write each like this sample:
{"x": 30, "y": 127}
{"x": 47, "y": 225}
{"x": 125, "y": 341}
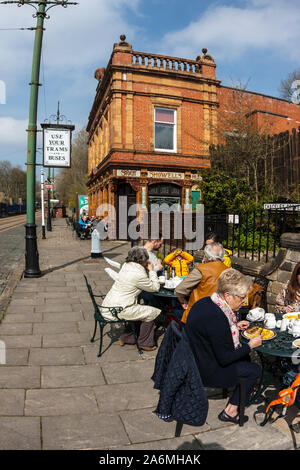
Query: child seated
{"x": 179, "y": 260}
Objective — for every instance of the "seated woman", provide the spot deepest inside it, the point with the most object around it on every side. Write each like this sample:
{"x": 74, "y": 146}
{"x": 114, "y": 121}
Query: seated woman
{"x": 179, "y": 260}
{"x": 288, "y": 300}
{"x": 137, "y": 274}
{"x": 213, "y": 333}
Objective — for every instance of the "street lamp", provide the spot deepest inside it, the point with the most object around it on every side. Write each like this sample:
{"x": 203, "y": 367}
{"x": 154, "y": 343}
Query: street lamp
{"x": 41, "y": 7}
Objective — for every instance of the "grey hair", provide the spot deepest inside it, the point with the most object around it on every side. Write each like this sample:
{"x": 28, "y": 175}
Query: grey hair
{"x": 233, "y": 281}
{"x": 214, "y": 251}
{"x": 138, "y": 255}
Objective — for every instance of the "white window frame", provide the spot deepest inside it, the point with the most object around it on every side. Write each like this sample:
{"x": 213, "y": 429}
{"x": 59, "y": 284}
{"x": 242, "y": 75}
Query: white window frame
{"x": 174, "y": 150}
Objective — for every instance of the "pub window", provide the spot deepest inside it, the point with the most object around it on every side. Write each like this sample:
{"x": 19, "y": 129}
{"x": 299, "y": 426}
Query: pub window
{"x": 165, "y": 129}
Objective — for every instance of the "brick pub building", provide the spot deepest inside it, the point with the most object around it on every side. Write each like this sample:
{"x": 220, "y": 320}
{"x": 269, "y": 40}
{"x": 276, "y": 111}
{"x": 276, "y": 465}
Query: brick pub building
{"x": 151, "y": 125}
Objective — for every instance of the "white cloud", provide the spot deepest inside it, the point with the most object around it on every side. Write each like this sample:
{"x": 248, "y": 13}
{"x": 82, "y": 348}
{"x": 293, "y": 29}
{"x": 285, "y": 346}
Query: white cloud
{"x": 13, "y": 132}
{"x": 228, "y": 32}
{"x": 75, "y": 36}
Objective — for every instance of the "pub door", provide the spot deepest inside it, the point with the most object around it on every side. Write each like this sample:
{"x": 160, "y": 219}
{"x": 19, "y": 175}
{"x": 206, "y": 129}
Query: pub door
{"x": 123, "y": 206}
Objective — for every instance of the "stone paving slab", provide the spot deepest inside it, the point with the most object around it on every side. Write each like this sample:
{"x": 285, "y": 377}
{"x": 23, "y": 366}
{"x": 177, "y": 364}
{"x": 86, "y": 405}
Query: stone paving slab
{"x": 61, "y": 340}
{"x": 85, "y": 431}
{"x": 12, "y": 402}
{"x": 144, "y": 426}
{"x": 20, "y": 377}
{"x": 22, "y": 341}
{"x": 56, "y": 356}
{"x": 130, "y": 396}
{"x": 20, "y": 433}
{"x": 72, "y": 376}
{"x": 60, "y": 402}
{"x": 55, "y": 327}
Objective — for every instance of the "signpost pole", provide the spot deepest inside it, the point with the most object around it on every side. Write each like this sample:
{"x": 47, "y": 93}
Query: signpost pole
{"x": 43, "y": 205}
{"x": 49, "y": 226}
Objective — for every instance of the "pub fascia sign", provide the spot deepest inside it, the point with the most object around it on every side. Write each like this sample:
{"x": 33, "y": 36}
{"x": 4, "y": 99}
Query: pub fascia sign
{"x": 57, "y": 145}
{"x": 156, "y": 174}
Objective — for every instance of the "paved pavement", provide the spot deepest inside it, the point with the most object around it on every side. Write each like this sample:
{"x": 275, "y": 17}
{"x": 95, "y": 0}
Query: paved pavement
{"x": 55, "y": 393}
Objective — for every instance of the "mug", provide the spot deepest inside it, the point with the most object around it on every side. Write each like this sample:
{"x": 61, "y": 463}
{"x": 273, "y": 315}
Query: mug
{"x": 269, "y": 316}
{"x": 284, "y": 324}
{"x": 270, "y": 323}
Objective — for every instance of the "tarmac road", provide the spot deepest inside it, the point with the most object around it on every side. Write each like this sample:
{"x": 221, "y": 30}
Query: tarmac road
{"x": 12, "y": 248}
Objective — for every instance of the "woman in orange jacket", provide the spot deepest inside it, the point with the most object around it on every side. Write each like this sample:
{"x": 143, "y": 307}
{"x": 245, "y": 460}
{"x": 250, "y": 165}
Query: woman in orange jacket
{"x": 179, "y": 260}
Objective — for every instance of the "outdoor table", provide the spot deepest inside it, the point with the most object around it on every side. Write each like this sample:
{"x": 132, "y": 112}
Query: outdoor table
{"x": 166, "y": 293}
{"x": 275, "y": 356}
{"x": 168, "y": 299}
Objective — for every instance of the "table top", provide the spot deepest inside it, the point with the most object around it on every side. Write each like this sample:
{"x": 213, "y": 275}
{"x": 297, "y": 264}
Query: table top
{"x": 163, "y": 292}
{"x": 280, "y": 346}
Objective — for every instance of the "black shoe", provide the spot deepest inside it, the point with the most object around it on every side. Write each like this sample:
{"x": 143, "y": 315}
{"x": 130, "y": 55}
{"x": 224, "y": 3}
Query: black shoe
{"x": 223, "y": 416}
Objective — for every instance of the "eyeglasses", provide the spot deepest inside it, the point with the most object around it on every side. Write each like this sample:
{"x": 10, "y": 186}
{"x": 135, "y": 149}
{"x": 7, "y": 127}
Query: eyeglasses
{"x": 241, "y": 297}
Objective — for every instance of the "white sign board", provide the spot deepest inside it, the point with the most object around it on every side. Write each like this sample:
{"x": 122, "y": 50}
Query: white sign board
{"x": 282, "y": 206}
{"x": 57, "y": 148}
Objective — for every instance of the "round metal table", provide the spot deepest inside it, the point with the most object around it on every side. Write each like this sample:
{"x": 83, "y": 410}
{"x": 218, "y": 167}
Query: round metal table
{"x": 167, "y": 293}
{"x": 275, "y": 355}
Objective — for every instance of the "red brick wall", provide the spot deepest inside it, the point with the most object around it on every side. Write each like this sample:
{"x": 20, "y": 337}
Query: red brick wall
{"x": 276, "y": 124}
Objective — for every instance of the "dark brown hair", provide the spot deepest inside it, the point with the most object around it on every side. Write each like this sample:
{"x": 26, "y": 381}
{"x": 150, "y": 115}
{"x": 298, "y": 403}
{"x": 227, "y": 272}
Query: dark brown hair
{"x": 293, "y": 286}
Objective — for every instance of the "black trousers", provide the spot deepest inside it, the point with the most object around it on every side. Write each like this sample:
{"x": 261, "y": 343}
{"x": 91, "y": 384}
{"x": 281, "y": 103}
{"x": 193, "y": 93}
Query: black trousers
{"x": 251, "y": 372}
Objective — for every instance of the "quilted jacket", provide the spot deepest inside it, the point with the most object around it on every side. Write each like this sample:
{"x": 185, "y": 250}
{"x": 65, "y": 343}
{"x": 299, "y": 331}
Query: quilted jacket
{"x": 176, "y": 375}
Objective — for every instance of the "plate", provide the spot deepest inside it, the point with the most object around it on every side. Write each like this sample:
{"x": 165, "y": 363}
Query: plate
{"x": 295, "y": 343}
{"x": 169, "y": 288}
{"x": 246, "y": 335}
{"x": 291, "y": 315}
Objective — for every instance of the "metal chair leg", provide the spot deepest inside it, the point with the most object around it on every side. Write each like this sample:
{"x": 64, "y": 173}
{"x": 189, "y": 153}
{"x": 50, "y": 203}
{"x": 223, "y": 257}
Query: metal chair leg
{"x": 101, "y": 339}
{"x": 94, "y": 334}
{"x": 178, "y": 429}
{"x": 242, "y": 381}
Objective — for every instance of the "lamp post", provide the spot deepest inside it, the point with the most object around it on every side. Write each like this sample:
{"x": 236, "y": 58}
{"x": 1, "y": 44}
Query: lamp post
{"x": 41, "y": 7}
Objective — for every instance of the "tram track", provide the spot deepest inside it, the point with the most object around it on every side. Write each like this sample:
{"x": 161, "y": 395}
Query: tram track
{"x": 9, "y": 223}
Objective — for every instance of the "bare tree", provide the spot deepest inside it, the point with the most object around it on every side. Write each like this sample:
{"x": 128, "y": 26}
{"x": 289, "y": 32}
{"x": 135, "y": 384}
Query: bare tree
{"x": 288, "y": 86}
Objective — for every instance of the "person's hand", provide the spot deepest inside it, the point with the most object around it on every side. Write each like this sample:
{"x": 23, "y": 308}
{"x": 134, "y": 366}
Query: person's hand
{"x": 243, "y": 325}
{"x": 256, "y": 341}
{"x": 159, "y": 265}
{"x": 150, "y": 266}
{"x": 185, "y": 305}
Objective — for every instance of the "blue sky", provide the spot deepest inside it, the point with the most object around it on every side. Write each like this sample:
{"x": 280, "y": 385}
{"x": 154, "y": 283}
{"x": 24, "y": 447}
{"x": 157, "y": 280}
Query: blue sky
{"x": 254, "y": 41}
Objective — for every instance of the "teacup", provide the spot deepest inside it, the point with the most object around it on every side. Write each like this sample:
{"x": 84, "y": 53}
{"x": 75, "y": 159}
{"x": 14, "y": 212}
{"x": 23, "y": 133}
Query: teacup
{"x": 256, "y": 314}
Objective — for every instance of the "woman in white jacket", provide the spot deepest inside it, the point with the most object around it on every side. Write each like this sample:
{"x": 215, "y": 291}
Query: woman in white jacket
{"x": 136, "y": 275}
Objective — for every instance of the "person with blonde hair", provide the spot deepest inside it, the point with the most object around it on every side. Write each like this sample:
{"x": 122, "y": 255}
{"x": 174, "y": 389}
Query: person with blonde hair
{"x": 213, "y": 332}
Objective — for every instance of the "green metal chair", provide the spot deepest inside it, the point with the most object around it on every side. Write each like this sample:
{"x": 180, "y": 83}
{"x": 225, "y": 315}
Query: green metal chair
{"x": 114, "y": 311}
